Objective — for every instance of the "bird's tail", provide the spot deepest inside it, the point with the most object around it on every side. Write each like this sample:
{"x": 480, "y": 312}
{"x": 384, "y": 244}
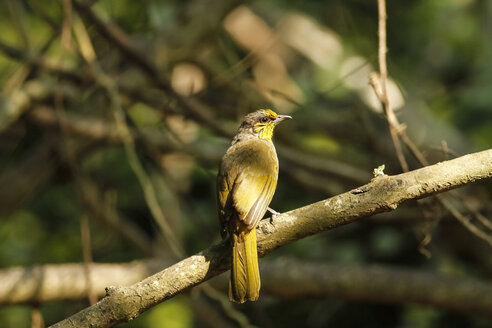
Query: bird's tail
{"x": 245, "y": 276}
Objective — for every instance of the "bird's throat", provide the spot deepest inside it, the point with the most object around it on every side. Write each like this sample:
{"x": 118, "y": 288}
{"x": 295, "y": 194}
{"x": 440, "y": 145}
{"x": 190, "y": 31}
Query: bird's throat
{"x": 265, "y": 132}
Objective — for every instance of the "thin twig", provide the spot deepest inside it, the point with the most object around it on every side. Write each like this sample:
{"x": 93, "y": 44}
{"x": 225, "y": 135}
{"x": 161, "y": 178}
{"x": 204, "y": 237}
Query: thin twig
{"x": 17, "y": 13}
{"x": 36, "y": 318}
{"x": 111, "y": 89}
{"x": 378, "y": 82}
{"x": 465, "y": 220}
{"x": 397, "y": 130}
{"x": 93, "y": 200}
{"x": 480, "y": 217}
{"x": 137, "y": 167}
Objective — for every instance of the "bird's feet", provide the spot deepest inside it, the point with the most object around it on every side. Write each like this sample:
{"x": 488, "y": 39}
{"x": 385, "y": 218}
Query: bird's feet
{"x": 274, "y": 214}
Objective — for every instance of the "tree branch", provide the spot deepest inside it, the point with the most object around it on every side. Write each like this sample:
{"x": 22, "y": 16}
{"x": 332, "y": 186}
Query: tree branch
{"x": 382, "y": 194}
{"x": 303, "y": 279}
{"x": 65, "y": 282}
{"x": 376, "y": 283}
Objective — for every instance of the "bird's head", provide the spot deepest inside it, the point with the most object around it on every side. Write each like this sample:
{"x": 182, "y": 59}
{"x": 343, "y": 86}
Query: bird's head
{"x": 262, "y": 122}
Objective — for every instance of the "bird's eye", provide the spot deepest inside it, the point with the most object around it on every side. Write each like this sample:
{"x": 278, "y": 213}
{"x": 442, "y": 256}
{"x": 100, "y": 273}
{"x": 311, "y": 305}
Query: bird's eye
{"x": 264, "y": 119}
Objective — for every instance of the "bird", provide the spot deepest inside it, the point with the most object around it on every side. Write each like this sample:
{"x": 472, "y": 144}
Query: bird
{"x": 246, "y": 182}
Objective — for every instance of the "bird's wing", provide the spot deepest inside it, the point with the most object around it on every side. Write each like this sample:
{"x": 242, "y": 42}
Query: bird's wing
{"x": 246, "y": 183}
{"x": 223, "y": 201}
{"x": 252, "y": 193}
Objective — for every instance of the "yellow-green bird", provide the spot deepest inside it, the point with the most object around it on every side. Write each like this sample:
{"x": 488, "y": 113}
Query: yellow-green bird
{"x": 246, "y": 183}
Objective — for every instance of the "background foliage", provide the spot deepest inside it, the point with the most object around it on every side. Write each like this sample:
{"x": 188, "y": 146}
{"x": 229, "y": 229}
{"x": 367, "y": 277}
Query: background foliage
{"x": 85, "y": 125}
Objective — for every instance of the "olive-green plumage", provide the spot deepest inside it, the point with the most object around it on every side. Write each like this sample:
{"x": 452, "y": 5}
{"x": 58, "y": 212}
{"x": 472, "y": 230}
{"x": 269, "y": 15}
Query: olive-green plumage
{"x": 245, "y": 186}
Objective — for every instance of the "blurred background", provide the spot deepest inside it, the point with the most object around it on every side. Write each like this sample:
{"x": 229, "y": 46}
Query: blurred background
{"x": 114, "y": 115}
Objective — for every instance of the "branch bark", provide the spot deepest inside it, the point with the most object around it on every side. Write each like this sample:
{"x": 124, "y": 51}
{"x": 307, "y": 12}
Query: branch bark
{"x": 382, "y": 194}
{"x": 376, "y": 283}
{"x": 66, "y": 282}
{"x": 284, "y": 278}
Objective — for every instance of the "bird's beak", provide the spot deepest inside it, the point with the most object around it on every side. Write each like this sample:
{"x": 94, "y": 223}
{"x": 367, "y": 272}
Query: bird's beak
{"x": 281, "y": 118}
